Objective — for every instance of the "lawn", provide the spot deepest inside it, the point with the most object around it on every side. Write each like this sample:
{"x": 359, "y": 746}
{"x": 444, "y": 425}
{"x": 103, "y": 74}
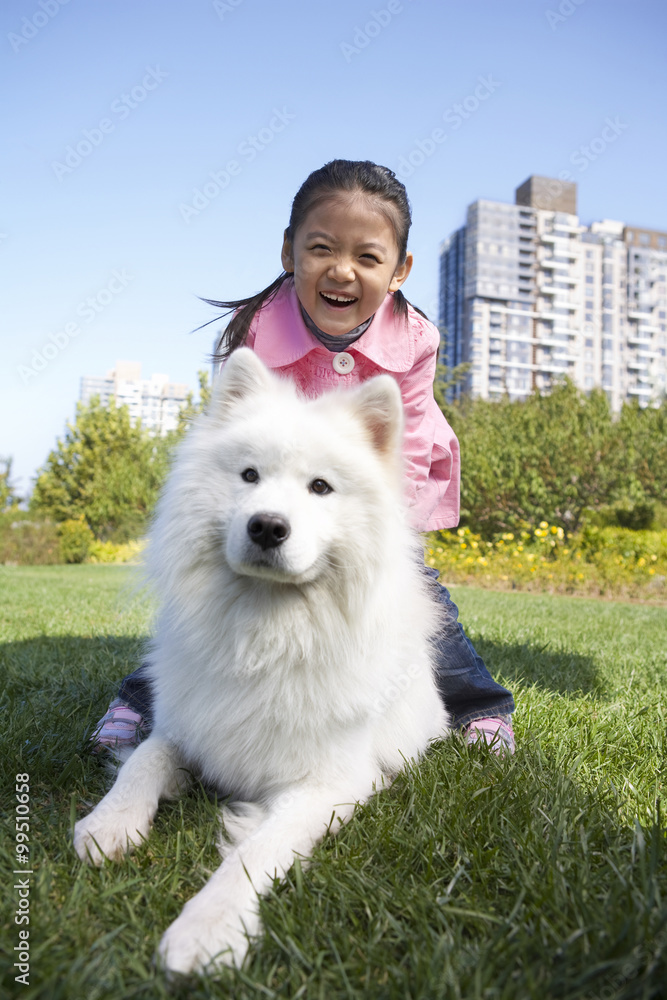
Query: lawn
{"x": 543, "y": 876}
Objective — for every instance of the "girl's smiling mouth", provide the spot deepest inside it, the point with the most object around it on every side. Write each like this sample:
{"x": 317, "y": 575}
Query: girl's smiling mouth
{"x": 337, "y": 299}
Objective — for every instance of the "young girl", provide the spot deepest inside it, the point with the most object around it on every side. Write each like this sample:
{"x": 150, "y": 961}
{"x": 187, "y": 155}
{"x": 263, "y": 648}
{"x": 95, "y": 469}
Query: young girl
{"x": 336, "y": 316}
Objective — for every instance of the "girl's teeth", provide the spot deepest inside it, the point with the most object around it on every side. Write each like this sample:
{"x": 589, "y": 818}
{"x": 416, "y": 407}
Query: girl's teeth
{"x": 338, "y": 300}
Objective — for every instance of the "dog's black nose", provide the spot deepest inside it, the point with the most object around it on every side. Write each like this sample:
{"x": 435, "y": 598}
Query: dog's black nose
{"x": 268, "y": 530}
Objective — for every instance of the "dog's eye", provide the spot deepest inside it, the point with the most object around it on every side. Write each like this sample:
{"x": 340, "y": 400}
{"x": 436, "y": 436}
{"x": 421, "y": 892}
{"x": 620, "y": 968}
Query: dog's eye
{"x": 250, "y": 475}
{"x": 320, "y": 486}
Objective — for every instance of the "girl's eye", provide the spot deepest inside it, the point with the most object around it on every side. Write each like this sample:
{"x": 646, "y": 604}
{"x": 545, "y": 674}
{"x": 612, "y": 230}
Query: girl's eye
{"x": 320, "y": 246}
{"x": 370, "y": 256}
{"x": 250, "y": 475}
{"x": 320, "y": 487}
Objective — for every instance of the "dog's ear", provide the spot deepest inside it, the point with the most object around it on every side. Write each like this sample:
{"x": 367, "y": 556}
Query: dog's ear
{"x": 242, "y": 376}
{"x": 379, "y": 406}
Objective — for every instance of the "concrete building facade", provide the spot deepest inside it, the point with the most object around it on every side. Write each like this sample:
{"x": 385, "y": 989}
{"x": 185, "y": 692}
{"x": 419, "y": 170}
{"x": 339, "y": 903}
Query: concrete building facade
{"x": 155, "y": 401}
{"x": 528, "y": 294}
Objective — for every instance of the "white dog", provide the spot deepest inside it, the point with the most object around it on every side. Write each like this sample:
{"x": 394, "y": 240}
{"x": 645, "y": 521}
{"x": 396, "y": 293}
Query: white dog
{"x": 292, "y": 664}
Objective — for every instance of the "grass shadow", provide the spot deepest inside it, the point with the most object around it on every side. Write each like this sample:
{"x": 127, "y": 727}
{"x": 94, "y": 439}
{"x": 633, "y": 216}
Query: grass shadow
{"x": 561, "y": 672}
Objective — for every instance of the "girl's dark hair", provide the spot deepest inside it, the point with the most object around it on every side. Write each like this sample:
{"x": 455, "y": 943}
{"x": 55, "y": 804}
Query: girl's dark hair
{"x": 335, "y": 176}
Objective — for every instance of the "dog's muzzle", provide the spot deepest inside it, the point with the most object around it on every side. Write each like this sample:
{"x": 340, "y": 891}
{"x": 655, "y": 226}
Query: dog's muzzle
{"x": 268, "y": 530}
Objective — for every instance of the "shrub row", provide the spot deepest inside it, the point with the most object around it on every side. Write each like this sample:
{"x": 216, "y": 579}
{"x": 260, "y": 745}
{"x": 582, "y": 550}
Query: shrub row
{"x": 27, "y": 541}
{"x": 609, "y": 562}
{"x": 556, "y": 458}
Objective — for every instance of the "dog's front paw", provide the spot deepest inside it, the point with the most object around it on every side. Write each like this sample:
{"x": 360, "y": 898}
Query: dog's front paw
{"x": 202, "y": 945}
{"x": 104, "y": 835}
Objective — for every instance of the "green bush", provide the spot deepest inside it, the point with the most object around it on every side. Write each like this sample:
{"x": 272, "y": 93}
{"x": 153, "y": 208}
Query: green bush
{"x": 75, "y": 539}
{"x": 27, "y": 541}
{"x": 557, "y": 458}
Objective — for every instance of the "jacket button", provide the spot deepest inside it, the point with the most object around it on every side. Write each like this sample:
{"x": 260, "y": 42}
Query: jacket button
{"x": 343, "y": 363}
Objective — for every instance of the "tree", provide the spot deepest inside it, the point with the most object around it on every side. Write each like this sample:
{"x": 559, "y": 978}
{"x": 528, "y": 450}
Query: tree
{"x": 543, "y": 458}
{"x": 104, "y": 470}
{"x": 445, "y": 379}
{"x": 8, "y": 495}
{"x": 191, "y": 409}
{"x": 108, "y": 472}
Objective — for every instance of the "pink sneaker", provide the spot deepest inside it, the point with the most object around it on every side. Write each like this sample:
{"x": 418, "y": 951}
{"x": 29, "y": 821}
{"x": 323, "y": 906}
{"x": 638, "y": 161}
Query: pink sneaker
{"x": 497, "y": 734}
{"x": 121, "y": 727}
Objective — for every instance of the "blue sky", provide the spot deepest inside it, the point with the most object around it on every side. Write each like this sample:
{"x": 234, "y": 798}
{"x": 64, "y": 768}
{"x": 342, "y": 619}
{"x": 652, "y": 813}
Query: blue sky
{"x": 118, "y": 112}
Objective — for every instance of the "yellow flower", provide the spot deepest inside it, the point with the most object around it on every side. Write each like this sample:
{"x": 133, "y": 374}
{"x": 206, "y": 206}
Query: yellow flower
{"x": 544, "y": 524}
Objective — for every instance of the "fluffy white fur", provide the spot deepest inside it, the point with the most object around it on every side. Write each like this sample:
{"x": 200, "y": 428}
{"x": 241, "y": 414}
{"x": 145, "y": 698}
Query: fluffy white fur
{"x": 295, "y": 677}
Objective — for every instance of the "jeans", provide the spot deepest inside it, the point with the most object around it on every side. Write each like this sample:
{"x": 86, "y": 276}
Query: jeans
{"x": 465, "y": 685}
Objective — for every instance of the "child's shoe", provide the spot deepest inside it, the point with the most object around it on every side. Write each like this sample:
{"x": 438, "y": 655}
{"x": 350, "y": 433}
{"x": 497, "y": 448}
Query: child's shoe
{"x": 495, "y": 732}
{"x": 121, "y": 728}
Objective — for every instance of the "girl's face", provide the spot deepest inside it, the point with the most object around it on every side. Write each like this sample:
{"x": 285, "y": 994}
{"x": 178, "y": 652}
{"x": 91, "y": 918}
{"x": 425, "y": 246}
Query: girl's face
{"x": 345, "y": 259}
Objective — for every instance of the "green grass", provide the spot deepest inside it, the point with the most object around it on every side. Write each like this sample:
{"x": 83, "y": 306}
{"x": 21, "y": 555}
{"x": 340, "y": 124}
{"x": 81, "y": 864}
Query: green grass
{"x": 540, "y": 876}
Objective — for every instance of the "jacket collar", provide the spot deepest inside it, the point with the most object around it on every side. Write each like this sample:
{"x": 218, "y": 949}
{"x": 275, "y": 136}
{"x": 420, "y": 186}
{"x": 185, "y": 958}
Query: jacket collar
{"x": 282, "y": 337}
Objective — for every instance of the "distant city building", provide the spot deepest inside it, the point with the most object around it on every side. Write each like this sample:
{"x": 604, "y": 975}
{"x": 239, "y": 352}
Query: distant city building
{"x": 529, "y": 294}
{"x": 154, "y": 401}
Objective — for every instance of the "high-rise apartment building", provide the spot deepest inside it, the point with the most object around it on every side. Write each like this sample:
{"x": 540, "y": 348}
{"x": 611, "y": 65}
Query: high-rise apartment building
{"x": 529, "y": 294}
{"x": 155, "y": 401}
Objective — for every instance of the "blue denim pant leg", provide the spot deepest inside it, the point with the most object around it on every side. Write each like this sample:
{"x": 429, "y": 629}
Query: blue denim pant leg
{"x": 466, "y": 686}
{"x": 137, "y": 692}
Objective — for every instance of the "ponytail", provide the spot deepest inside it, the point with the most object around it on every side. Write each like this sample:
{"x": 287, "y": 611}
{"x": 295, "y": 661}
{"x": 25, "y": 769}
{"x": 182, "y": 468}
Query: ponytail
{"x": 235, "y": 333}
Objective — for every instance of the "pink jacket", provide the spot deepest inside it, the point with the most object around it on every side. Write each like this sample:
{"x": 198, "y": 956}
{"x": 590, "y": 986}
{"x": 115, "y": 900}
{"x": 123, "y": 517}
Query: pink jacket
{"x": 281, "y": 339}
